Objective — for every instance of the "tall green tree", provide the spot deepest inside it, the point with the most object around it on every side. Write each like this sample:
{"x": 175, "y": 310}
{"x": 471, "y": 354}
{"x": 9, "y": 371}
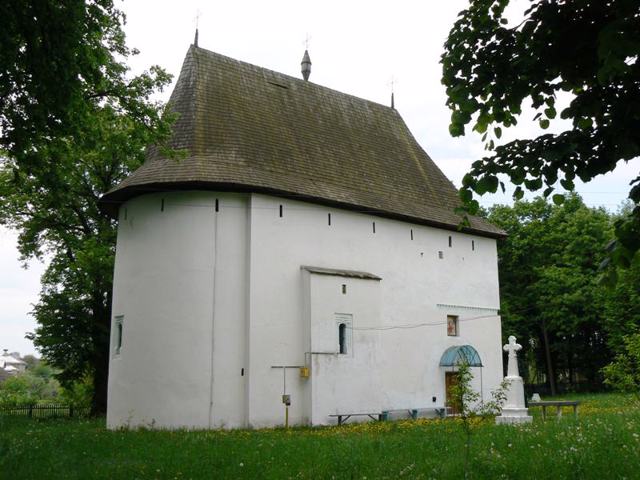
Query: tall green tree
{"x": 622, "y": 304}
{"x": 550, "y": 287}
{"x": 84, "y": 143}
{"x": 57, "y": 57}
{"x": 586, "y": 50}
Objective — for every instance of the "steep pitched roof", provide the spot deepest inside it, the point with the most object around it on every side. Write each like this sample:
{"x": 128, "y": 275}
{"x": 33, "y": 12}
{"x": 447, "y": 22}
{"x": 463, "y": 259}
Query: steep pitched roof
{"x": 246, "y": 128}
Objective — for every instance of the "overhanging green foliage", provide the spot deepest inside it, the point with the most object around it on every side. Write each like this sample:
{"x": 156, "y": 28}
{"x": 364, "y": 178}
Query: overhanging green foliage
{"x": 587, "y": 50}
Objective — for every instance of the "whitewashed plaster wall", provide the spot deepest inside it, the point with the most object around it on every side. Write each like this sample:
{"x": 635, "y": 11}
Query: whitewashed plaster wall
{"x": 415, "y": 281}
{"x": 350, "y": 382}
{"x": 187, "y": 278}
{"x": 170, "y": 249}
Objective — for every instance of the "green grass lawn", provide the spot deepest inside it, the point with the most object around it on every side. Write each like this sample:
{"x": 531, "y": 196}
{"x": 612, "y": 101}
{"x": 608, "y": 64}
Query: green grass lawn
{"x": 603, "y": 443}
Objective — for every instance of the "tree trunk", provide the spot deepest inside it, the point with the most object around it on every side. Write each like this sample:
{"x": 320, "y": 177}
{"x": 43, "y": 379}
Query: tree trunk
{"x": 547, "y": 352}
{"x": 100, "y": 381}
{"x": 101, "y": 337}
{"x": 572, "y": 379}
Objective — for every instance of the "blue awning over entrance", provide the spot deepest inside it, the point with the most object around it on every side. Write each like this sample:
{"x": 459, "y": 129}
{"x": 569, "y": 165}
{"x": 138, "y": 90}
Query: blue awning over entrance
{"x": 453, "y": 356}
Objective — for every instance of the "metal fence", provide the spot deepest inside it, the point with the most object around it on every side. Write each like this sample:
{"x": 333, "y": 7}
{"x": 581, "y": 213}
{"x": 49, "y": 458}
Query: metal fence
{"x": 53, "y": 410}
{"x": 563, "y": 388}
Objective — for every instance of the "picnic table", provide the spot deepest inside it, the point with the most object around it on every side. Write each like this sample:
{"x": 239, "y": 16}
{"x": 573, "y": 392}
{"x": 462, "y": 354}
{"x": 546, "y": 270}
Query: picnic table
{"x": 343, "y": 417}
{"x": 558, "y": 404}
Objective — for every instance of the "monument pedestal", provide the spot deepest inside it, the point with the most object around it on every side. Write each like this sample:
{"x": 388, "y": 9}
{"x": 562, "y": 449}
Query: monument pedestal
{"x": 514, "y": 410}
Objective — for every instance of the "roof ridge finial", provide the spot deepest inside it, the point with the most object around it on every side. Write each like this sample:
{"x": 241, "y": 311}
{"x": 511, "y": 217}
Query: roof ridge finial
{"x": 392, "y": 83}
{"x": 306, "y": 60}
{"x": 195, "y": 40}
{"x": 306, "y": 65}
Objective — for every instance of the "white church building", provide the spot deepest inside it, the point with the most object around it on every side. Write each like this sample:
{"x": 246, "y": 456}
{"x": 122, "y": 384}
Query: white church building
{"x": 305, "y": 228}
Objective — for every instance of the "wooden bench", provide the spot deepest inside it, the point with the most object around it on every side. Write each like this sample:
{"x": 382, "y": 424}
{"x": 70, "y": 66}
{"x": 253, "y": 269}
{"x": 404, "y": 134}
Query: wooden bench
{"x": 343, "y": 417}
{"x": 558, "y": 404}
{"x": 413, "y": 412}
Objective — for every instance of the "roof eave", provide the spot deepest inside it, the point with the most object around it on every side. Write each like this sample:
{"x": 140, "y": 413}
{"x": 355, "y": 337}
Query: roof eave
{"x": 111, "y": 201}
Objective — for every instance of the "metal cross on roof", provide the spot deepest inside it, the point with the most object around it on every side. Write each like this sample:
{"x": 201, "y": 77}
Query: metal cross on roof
{"x": 392, "y": 83}
{"x": 307, "y": 39}
{"x": 197, "y": 19}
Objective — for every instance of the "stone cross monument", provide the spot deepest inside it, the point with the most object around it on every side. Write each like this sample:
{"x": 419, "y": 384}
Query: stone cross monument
{"x": 514, "y": 410}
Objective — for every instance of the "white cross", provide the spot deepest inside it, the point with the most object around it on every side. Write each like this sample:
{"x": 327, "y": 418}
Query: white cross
{"x": 512, "y": 347}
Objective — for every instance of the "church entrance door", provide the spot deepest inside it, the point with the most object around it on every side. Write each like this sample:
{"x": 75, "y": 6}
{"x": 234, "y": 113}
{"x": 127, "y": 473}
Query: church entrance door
{"x": 450, "y": 380}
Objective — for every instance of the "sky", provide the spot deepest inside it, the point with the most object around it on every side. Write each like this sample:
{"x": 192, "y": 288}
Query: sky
{"x": 356, "y": 47}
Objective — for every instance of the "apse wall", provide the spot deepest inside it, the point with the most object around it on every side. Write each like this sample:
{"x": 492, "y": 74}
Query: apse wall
{"x": 177, "y": 263}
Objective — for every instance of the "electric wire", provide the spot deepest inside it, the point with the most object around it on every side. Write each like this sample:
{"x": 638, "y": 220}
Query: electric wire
{"x": 418, "y": 325}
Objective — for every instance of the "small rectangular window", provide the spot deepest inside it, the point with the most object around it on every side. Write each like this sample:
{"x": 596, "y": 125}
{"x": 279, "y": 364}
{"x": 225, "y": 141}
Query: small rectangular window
{"x": 412, "y": 234}
{"x": 344, "y": 289}
{"x": 217, "y": 205}
{"x": 280, "y": 210}
{"x": 329, "y": 218}
{"x": 450, "y": 241}
{"x": 473, "y": 245}
{"x": 374, "y": 227}
{"x": 452, "y": 325}
{"x": 440, "y": 255}
{"x": 119, "y": 325}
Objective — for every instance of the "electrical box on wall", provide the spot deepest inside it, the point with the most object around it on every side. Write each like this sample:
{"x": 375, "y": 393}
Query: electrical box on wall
{"x": 304, "y": 372}
{"x": 286, "y": 399}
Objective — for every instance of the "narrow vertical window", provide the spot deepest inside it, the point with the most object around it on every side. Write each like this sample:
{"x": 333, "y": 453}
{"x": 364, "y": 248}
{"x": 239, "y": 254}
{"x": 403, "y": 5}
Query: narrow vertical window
{"x": 412, "y": 234}
{"x": 344, "y": 322}
{"x": 440, "y": 255}
{"x": 374, "y": 227}
{"x": 344, "y": 288}
{"x": 329, "y": 218}
{"x": 452, "y": 325}
{"x": 217, "y": 205}
{"x": 342, "y": 338}
{"x": 280, "y": 210}
{"x": 450, "y": 241}
{"x": 473, "y": 245}
{"x": 118, "y": 333}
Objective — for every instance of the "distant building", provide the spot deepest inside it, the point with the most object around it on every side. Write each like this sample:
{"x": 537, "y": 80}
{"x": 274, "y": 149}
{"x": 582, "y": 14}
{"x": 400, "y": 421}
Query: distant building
{"x": 306, "y": 250}
{"x": 11, "y": 362}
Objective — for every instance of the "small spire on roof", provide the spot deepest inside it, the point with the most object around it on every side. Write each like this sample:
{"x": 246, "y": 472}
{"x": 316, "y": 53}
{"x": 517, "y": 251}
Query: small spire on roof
{"x": 195, "y": 40}
{"x": 306, "y": 65}
{"x": 306, "y": 60}
{"x": 392, "y": 83}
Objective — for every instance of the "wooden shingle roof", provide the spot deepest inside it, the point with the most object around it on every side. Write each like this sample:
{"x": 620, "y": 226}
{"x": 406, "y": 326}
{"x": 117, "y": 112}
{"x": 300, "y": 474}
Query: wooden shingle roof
{"x": 250, "y": 129}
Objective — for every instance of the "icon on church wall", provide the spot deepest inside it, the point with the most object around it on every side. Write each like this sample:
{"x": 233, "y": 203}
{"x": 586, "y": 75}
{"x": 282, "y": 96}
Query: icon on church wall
{"x": 452, "y": 325}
